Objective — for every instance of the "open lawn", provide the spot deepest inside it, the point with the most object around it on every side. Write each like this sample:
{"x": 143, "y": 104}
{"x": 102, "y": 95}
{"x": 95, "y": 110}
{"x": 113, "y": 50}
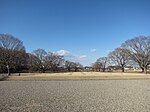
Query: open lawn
{"x": 78, "y": 76}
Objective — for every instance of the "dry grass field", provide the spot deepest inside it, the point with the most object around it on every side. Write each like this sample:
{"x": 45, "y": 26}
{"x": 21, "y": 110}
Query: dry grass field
{"x": 77, "y": 76}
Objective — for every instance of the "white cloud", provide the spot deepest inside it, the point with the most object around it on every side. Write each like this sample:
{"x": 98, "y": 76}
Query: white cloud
{"x": 63, "y": 53}
{"x": 93, "y": 50}
{"x": 81, "y": 58}
{"x": 71, "y": 57}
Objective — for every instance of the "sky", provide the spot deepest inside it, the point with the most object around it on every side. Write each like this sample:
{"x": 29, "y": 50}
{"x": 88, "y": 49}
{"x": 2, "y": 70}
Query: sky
{"x": 81, "y": 29}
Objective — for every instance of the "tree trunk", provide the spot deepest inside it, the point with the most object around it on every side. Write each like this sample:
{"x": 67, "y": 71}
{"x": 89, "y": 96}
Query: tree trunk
{"x": 103, "y": 69}
{"x": 8, "y": 70}
{"x": 69, "y": 70}
{"x": 99, "y": 70}
{"x": 122, "y": 69}
{"x": 145, "y": 70}
{"x": 142, "y": 69}
{"x": 76, "y": 69}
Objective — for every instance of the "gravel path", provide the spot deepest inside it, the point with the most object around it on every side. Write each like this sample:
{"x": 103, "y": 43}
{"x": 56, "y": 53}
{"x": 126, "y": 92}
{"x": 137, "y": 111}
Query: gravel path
{"x": 75, "y": 96}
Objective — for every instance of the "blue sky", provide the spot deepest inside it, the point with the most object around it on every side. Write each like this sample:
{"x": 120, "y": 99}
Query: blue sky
{"x": 85, "y": 29}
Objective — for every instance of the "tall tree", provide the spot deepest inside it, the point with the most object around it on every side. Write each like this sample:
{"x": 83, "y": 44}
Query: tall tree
{"x": 77, "y": 66}
{"x": 68, "y": 65}
{"x": 120, "y": 57}
{"x": 53, "y": 61}
{"x": 139, "y": 48}
{"x": 104, "y": 62}
{"x": 12, "y": 52}
{"x": 73, "y": 66}
{"x": 97, "y": 66}
{"x": 40, "y": 54}
{"x": 33, "y": 63}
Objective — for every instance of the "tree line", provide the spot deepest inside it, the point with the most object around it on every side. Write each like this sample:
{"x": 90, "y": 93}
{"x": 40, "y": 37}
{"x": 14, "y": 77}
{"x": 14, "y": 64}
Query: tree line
{"x": 133, "y": 52}
{"x": 14, "y": 58}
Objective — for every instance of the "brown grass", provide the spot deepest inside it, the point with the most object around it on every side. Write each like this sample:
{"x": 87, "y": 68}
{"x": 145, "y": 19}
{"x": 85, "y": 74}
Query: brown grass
{"x": 78, "y": 76}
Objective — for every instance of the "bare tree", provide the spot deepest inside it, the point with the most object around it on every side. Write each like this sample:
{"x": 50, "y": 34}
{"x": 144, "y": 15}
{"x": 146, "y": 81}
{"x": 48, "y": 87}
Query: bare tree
{"x": 139, "y": 48}
{"x": 5, "y": 59}
{"x": 101, "y": 64}
{"x": 34, "y": 63}
{"x": 104, "y": 62}
{"x": 120, "y": 57}
{"x": 12, "y": 51}
{"x": 70, "y": 66}
{"x": 77, "y": 66}
{"x": 97, "y": 66}
{"x": 53, "y": 61}
{"x": 40, "y": 54}
{"x": 10, "y": 42}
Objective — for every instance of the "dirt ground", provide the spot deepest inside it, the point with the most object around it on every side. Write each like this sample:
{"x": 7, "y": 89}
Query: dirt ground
{"x": 75, "y": 96}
